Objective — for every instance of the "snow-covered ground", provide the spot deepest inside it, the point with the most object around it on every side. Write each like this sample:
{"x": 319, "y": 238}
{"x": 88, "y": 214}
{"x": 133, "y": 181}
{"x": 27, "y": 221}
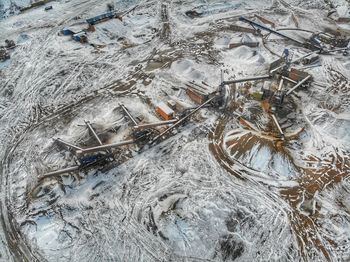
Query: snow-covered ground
{"x": 222, "y": 187}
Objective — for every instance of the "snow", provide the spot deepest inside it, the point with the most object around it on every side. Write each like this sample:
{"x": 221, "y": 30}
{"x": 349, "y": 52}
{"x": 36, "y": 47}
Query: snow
{"x": 222, "y": 187}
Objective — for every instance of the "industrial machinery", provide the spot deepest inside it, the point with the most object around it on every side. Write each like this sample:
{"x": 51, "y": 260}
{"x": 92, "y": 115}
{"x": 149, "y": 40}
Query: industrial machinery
{"x": 227, "y": 89}
{"x": 310, "y": 45}
{"x": 326, "y": 39}
{"x": 321, "y": 42}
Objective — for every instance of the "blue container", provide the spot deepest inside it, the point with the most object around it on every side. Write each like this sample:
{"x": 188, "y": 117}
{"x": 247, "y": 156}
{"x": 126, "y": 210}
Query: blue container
{"x": 96, "y": 19}
{"x": 67, "y": 31}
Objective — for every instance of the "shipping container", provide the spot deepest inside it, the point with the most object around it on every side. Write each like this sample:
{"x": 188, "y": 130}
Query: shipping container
{"x": 165, "y": 111}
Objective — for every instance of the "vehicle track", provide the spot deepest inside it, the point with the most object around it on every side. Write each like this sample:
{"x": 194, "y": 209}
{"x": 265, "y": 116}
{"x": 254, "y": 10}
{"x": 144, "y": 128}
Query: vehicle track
{"x": 18, "y": 246}
{"x": 23, "y": 252}
{"x": 312, "y": 180}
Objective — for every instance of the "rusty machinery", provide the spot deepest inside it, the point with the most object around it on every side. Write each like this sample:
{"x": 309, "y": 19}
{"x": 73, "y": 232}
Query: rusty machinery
{"x": 102, "y": 154}
{"x": 322, "y": 42}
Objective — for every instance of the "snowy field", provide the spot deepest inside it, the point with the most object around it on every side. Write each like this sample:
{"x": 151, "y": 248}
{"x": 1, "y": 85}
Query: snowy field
{"x": 223, "y": 187}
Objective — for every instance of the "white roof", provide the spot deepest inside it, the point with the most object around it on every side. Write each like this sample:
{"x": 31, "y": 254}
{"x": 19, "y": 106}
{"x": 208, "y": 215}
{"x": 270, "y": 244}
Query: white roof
{"x": 165, "y": 108}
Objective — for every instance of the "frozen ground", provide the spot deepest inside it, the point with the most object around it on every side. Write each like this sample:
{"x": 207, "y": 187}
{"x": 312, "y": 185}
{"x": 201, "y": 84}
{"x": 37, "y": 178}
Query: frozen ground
{"x": 221, "y": 188}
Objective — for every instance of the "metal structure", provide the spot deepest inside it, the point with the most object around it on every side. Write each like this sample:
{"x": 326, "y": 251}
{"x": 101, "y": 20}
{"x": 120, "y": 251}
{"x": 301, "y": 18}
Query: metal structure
{"x": 297, "y": 60}
{"x": 103, "y": 17}
{"x": 88, "y": 157}
{"x": 254, "y": 78}
{"x": 322, "y": 38}
{"x": 104, "y": 147}
{"x": 146, "y": 131}
{"x": 298, "y": 85}
{"x": 258, "y": 27}
{"x": 151, "y": 125}
{"x": 61, "y": 171}
{"x": 277, "y": 125}
{"x": 182, "y": 120}
{"x": 290, "y": 80}
{"x": 226, "y": 92}
{"x": 131, "y": 118}
{"x": 69, "y": 145}
{"x": 93, "y": 132}
{"x": 109, "y": 15}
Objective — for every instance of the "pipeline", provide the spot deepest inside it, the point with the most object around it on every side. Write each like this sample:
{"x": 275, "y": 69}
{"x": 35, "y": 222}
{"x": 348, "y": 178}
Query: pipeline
{"x": 297, "y": 85}
{"x": 67, "y": 144}
{"x": 129, "y": 115}
{"x": 162, "y": 123}
{"x": 93, "y": 132}
{"x": 277, "y": 124}
{"x": 268, "y": 29}
{"x": 290, "y": 80}
{"x": 104, "y": 147}
{"x": 59, "y": 172}
{"x": 245, "y": 79}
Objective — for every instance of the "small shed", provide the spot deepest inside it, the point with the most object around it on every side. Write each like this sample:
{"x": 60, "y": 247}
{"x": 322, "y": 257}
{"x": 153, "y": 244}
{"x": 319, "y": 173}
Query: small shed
{"x": 165, "y": 111}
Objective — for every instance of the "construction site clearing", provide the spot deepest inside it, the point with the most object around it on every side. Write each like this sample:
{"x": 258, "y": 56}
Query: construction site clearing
{"x": 283, "y": 81}
{"x": 278, "y": 84}
{"x": 175, "y": 131}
